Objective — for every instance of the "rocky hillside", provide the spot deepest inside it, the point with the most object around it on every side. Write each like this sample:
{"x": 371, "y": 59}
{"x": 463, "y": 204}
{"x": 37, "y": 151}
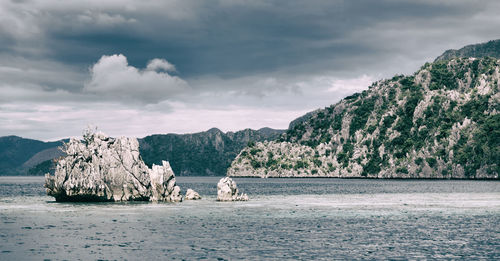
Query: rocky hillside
{"x": 207, "y": 153}
{"x": 489, "y": 49}
{"x": 441, "y": 122}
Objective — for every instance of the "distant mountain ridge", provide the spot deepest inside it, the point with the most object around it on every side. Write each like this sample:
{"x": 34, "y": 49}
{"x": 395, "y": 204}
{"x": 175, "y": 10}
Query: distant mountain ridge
{"x": 209, "y": 153}
{"x": 441, "y": 122}
{"x": 18, "y": 155}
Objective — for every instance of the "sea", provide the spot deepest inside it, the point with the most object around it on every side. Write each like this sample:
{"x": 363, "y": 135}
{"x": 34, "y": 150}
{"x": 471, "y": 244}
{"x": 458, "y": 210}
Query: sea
{"x": 303, "y": 218}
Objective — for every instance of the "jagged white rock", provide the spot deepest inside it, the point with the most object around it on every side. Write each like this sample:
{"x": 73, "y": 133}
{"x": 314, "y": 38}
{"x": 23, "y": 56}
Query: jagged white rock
{"x": 228, "y": 191}
{"x": 192, "y": 195}
{"x": 163, "y": 184}
{"x": 101, "y": 168}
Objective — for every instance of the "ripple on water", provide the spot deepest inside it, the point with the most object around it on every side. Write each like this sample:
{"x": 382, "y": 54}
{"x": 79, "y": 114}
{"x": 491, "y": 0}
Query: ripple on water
{"x": 285, "y": 219}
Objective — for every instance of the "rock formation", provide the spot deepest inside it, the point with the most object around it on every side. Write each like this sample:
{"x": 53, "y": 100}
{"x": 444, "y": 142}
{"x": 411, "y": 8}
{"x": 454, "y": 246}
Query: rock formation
{"x": 228, "y": 191}
{"x": 192, "y": 195}
{"x": 163, "y": 187}
{"x": 101, "y": 168}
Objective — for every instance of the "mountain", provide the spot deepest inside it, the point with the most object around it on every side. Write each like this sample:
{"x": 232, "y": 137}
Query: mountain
{"x": 17, "y": 154}
{"x": 441, "y": 122}
{"x": 489, "y": 49}
{"x": 206, "y": 153}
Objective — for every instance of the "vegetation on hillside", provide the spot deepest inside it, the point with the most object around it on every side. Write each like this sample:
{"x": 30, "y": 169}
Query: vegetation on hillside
{"x": 441, "y": 122}
{"x": 207, "y": 153}
{"x": 488, "y": 49}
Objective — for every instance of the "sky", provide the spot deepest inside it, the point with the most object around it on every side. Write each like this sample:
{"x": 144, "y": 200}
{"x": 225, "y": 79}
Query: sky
{"x": 136, "y": 68}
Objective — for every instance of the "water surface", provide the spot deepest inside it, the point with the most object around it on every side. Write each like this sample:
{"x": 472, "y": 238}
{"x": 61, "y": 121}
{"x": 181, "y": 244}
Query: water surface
{"x": 285, "y": 218}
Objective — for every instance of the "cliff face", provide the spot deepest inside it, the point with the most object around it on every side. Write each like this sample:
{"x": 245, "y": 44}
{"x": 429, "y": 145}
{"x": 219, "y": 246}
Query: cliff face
{"x": 441, "y": 122}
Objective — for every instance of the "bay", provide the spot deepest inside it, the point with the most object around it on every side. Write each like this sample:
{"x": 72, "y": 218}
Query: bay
{"x": 320, "y": 219}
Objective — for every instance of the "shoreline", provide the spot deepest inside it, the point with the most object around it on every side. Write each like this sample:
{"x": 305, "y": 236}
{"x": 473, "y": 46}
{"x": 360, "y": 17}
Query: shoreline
{"x": 298, "y": 177}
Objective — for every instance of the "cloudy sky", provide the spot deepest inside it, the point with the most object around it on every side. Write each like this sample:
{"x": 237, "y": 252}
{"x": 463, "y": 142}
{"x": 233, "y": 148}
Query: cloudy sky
{"x": 136, "y": 68}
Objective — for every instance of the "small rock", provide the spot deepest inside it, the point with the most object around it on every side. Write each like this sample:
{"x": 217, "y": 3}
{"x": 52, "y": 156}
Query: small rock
{"x": 175, "y": 195}
{"x": 192, "y": 195}
{"x": 228, "y": 191}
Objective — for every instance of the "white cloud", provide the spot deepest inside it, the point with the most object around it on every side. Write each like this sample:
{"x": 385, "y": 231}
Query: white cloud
{"x": 278, "y": 92}
{"x": 160, "y": 64}
{"x": 114, "y": 78}
{"x": 102, "y": 19}
{"x": 60, "y": 121}
{"x": 348, "y": 85}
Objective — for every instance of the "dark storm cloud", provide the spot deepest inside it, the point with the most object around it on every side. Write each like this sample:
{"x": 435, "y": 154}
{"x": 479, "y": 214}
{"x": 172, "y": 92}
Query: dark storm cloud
{"x": 234, "y": 38}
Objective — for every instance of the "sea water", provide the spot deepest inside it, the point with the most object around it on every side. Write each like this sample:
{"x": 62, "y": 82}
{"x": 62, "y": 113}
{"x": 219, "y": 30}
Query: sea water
{"x": 308, "y": 219}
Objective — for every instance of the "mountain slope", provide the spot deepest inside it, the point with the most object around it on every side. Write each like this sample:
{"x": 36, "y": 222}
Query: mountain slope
{"x": 205, "y": 153}
{"x": 441, "y": 122}
{"x": 16, "y": 151}
{"x": 489, "y": 49}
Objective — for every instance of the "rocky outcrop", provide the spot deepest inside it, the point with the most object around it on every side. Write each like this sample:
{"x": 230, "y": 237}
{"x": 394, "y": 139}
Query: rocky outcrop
{"x": 163, "y": 187}
{"x": 192, "y": 195}
{"x": 228, "y": 191}
{"x": 101, "y": 168}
